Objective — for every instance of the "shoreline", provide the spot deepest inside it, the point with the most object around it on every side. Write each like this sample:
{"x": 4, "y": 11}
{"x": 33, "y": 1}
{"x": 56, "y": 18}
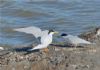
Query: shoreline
{"x": 58, "y": 58}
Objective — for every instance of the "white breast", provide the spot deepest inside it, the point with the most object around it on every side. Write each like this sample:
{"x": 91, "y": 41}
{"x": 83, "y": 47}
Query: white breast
{"x": 98, "y": 32}
{"x": 46, "y": 40}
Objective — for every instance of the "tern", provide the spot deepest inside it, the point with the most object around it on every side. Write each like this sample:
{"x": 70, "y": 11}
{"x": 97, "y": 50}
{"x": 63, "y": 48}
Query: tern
{"x": 1, "y": 48}
{"x": 74, "y": 40}
{"x": 45, "y": 36}
{"x": 97, "y": 32}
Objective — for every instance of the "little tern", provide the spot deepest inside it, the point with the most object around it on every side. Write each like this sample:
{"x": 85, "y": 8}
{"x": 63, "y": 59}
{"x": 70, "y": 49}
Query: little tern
{"x": 97, "y": 32}
{"x": 74, "y": 40}
{"x": 91, "y": 35}
{"x": 1, "y": 48}
{"x": 46, "y": 36}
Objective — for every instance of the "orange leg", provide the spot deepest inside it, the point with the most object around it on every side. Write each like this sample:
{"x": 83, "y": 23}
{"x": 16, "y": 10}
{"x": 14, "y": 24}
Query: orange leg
{"x": 46, "y": 50}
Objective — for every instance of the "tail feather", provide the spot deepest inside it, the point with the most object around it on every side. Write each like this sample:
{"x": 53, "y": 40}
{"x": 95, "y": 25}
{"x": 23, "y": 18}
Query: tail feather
{"x": 40, "y": 46}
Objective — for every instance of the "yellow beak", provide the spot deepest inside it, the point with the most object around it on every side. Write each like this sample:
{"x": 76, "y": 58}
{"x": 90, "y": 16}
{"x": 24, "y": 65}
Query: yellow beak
{"x": 56, "y": 32}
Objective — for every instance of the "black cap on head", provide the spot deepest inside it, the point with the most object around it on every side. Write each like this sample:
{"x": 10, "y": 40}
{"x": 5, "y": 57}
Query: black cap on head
{"x": 64, "y": 34}
{"x": 50, "y": 31}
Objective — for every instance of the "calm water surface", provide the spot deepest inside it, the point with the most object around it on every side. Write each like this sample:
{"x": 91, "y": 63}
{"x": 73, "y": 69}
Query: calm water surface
{"x": 70, "y": 16}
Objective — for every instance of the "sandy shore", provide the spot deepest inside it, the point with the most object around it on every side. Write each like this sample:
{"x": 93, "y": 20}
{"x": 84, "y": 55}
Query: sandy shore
{"x": 58, "y": 58}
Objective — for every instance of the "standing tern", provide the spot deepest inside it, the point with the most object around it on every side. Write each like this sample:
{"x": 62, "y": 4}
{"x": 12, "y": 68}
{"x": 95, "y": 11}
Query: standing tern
{"x": 46, "y": 36}
{"x": 91, "y": 35}
{"x": 74, "y": 40}
{"x": 1, "y": 48}
{"x": 97, "y": 32}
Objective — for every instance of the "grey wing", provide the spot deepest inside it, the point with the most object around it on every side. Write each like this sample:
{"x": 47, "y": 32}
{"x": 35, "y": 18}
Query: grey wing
{"x": 30, "y": 30}
{"x": 44, "y": 33}
{"x": 69, "y": 39}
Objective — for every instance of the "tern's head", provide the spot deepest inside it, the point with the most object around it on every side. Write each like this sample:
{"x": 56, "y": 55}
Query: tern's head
{"x": 52, "y": 32}
{"x": 64, "y": 34}
{"x": 98, "y": 31}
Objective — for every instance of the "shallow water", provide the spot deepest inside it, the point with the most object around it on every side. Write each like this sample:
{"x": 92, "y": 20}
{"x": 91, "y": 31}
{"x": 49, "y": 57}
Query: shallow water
{"x": 72, "y": 16}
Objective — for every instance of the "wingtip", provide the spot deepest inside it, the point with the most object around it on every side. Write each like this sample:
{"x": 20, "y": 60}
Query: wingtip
{"x": 31, "y": 49}
{"x": 16, "y": 29}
